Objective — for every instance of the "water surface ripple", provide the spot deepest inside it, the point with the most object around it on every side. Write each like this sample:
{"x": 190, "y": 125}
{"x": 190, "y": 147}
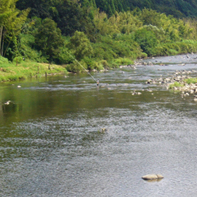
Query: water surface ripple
{"x": 51, "y": 144}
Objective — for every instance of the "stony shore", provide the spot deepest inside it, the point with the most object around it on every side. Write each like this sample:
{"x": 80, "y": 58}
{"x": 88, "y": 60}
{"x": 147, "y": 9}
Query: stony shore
{"x": 178, "y": 82}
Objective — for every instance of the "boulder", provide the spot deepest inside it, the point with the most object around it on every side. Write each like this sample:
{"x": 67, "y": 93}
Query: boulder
{"x": 152, "y": 176}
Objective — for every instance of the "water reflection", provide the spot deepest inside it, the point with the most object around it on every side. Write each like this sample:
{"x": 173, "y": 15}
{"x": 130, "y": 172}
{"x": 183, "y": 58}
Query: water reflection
{"x": 11, "y": 108}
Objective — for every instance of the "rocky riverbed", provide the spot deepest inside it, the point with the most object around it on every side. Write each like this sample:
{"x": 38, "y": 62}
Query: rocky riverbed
{"x": 183, "y": 81}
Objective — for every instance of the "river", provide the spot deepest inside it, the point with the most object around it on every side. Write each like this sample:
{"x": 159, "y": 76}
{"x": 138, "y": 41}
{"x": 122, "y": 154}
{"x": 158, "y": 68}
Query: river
{"x": 50, "y": 144}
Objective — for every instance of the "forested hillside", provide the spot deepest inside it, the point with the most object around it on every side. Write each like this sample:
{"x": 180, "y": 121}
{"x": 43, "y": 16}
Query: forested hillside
{"x": 99, "y": 34}
{"x": 178, "y": 8}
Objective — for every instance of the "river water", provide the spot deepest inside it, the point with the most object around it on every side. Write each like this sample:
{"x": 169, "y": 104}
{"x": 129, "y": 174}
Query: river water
{"x": 50, "y": 144}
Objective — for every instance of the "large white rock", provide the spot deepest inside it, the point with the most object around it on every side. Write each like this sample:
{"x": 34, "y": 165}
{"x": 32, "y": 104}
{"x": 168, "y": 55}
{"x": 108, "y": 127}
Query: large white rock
{"x": 152, "y": 176}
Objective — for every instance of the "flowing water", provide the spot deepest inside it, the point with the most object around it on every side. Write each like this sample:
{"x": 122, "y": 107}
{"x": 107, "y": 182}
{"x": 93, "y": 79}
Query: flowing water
{"x": 50, "y": 144}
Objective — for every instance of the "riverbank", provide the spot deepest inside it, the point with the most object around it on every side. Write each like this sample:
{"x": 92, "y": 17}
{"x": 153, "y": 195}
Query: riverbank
{"x": 10, "y": 71}
{"x": 28, "y": 69}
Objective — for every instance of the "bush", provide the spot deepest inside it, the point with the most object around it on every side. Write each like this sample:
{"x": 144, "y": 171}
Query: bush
{"x": 90, "y": 63}
{"x": 27, "y": 49}
{"x": 65, "y": 56}
{"x": 18, "y": 60}
{"x": 99, "y": 66}
{"x": 123, "y": 61}
{"x": 147, "y": 40}
{"x": 123, "y": 46}
{"x": 3, "y": 60}
{"x": 143, "y": 55}
{"x": 76, "y": 67}
{"x": 172, "y": 52}
{"x": 81, "y": 45}
{"x": 104, "y": 63}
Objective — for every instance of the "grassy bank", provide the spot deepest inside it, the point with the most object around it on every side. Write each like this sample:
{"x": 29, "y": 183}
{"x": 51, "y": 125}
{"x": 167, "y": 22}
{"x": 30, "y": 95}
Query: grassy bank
{"x": 27, "y": 69}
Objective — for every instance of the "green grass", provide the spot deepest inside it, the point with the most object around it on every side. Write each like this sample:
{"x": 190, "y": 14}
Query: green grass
{"x": 27, "y": 69}
{"x": 191, "y": 80}
{"x": 187, "y": 81}
{"x": 175, "y": 84}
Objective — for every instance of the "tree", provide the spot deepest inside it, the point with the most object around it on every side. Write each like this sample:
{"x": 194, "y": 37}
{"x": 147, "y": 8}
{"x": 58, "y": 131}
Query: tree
{"x": 48, "y": 39}
{"x": 11, "y": 21}
{"x": 70, "y": 17}
{"x": 146, "y": 39}
{"x": 39, "y": 8}
{"x": 81, "y": 46}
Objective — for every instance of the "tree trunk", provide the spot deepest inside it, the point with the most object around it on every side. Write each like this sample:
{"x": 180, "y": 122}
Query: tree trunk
{"x": 1, "y": 36}
{"x": 2, "y": 44}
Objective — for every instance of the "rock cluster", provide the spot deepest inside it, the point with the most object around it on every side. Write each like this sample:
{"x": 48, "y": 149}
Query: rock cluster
{"x": 145, "y": 63}
{"x": 179, "y": 76}
{"x": 125, "y": 66}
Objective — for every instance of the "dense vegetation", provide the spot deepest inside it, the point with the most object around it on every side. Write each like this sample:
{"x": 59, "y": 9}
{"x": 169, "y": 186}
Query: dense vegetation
{"x": 98, "y": 33}
{"x": 178, "y": 8}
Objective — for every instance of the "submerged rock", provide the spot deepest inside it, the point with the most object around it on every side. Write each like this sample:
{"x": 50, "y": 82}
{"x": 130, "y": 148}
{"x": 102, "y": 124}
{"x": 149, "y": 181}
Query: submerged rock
{"x": 103, "y": 130}
{"x": 152, "y": 177}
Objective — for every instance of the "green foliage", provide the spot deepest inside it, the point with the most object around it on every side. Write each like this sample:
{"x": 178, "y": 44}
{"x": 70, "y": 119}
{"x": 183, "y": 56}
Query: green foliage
{"x": 175, "y": 84}
{"x": 104, "y": 63}
{"x": 48, "y": 39}
{"x": 18, "y": 60}
{"x": 143, "y": 55}
{"x": 148, "y": 17}
{"x": 176, "y": 48}
{"x": 75, "y": 67}
{"x": 123, "y": 61}
{"x": 27, "y": 49}
{"x": 11, "y": 21}
{"x": 90, "y": 63}
{"x": 27, "y": 69}
{"x": 100, "y": 38}
{"x": 108, "y": 48}
{"x": 68, "y": 15}
{"x": 63, "y": 57}
{"x": 94, "y": 65}
{"x": 3, "y": 60}
{"x": 147, "y": 40}
{"x": 178, "y": 8}
{"x": 80, "y": 45}
{"x": 191, "y": 80}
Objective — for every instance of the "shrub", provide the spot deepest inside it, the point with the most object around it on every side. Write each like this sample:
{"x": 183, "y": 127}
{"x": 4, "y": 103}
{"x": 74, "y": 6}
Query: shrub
{"x": 99, "y": 66}
{"x": 104, "y": 63}
{"x": 123, "y": 61}
{"x": 3, "y": 60}
{"x": 18, "y": 60}
{"x": 146, "y": 39}
{"x": 90, "y": 63}
{"x": 81, "y": 45}
{"x": 142, "y": 55}
{"x": 76, "y": 67}
{"x": 172, "y": 52}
